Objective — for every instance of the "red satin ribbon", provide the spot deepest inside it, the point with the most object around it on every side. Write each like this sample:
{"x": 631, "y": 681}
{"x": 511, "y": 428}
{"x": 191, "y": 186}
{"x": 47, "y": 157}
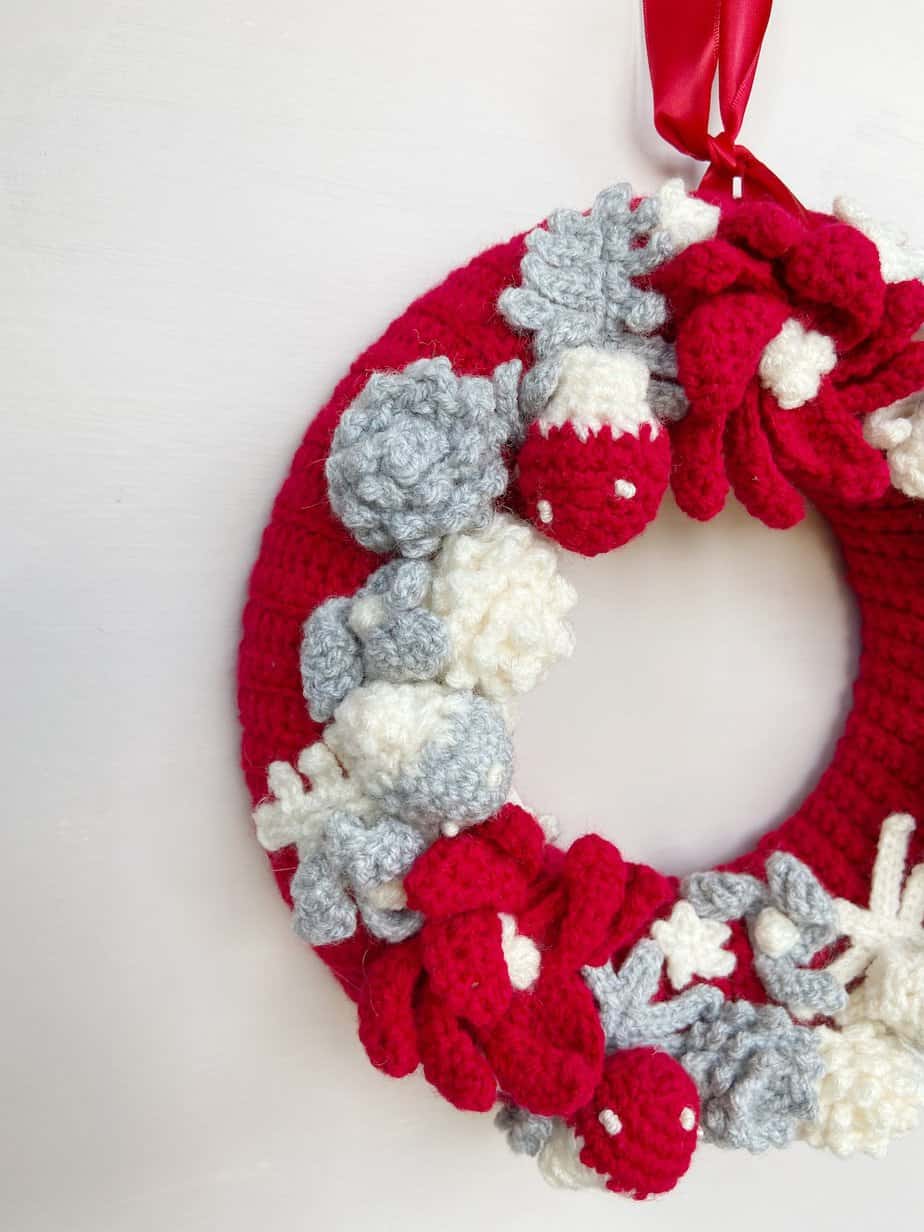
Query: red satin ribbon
{"x": 688, "y": 42}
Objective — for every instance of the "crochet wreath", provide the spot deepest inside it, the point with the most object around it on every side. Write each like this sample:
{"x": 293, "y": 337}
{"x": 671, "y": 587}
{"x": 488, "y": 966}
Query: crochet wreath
{"x": 406, "y": 595}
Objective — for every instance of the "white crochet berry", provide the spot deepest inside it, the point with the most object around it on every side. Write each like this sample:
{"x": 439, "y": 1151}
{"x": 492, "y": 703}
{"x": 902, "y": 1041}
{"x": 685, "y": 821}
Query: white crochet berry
{"x": 898, "y": 429}
{"x": 794, "y": 362}
{"x": 504, "y": 603}
{"x": 872, "y": 1090}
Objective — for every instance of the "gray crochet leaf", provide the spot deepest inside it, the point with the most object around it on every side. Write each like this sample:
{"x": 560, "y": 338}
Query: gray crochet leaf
{"x": 798, "y": 893}
{"x": 526, "y": 1132}
{"x": 793, "y": 890}
{"x": 756, "y": 1072}
{"x": 330, "y": 659}
{"x": 629, "y": 1017}
{"x": 724, "y": 896}
{"x": 335, "y": 881}
{"x": 418, "y": 455}
{"x": 800, "y": 988}
{"x": 397, "y": 638}
{"x": 579, "y": 288}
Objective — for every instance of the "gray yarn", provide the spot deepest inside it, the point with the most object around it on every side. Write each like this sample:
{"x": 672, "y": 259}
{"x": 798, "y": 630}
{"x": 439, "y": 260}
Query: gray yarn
{"x": 578, "y": 290}
{"x": 462, "y": 777}
{"x": 418, "y": 455}
{"x": 526, "y": 1132}
{"x": 794, "y": 891}
{"x": 333, "y": 882}
{"x": 756, "y": 1073}
{"x": 330, "y": 659}
{"x": 408, "y": 642}
{"x": 627, "y": 1014}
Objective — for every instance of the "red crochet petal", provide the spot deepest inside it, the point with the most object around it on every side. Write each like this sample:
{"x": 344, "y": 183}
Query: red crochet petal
{"x": 451, "y": 1060}
{"x": 698, "y": 477}
{"x": 757, "y": 480}
{"x": 594, "y": 874}
{"x": 762, "y": 226}
{"x": 387, "y": 1029}
{"x": 902, "y": 316}
{"x": 837, "y": 269}
{"x": 465, "y": 961}
{"x": 647, "y": 893}
{"x": 468, "y": 871}
{"x": 707, "y": 269}
{"x": 821, "y": 446}
{"x": 900, "y": 379}
{"x": 516, "y": 832}
{"x": 547, "y": 1051}
{"x": 719, "y": 348}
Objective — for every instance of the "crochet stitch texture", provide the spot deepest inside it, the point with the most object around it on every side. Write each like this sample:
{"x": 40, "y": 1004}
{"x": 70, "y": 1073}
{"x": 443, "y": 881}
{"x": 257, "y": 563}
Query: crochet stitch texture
{"x": 609, "y": 1010}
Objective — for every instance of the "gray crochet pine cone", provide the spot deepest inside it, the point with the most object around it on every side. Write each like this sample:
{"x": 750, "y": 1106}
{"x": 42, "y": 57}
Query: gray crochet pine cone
{"x": 418, "y": 455}
{"x": 757, "y": 1074}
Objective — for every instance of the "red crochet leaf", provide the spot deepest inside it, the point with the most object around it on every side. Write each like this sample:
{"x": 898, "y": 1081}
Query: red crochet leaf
{"x": 465, "y": 961}
{"x": 647, "y": 893}
{"x": 757, "y": 480}
{"x": 837, "y": 269}
{"x": 451, "y": 1060}
{"x": 469, "y": 871}
{"x": 719, "y": 348}
{"x": 387, "y": 1029}
{"x": 698, "y": 478}
{"x": 547, "y": 1050}
{"x": 900, "y": 379}
{"x": 707, "y": 269}
{"x": 902, "y": 316}
{"x": 822, "y": 448}
{"x": 762, "y": 226}
{"x": 594, "y": 874}
{"x": 516, "y": 832}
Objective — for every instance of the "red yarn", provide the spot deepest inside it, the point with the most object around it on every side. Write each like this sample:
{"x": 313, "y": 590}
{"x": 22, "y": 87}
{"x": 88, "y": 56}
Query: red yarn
{"x": 639, "y": 1130}
{"x": 877, "y": 767}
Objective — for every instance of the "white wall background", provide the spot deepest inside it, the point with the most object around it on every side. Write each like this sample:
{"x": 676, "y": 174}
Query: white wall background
{"x": 207, "y": 209}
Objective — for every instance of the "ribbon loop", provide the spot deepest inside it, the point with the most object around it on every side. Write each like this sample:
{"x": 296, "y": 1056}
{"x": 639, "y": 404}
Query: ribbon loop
{"x": 688, "y": 44}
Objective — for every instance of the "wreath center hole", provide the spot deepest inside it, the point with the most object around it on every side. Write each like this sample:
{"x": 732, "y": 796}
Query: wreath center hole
{"x": 711, "y": 678}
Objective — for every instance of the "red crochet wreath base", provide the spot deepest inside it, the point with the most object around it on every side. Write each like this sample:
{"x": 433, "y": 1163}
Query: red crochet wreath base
{"x": 718, "y": 347}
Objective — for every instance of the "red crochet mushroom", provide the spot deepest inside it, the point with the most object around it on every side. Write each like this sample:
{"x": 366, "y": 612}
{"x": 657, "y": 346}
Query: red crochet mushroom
{"x": 640, "y": 1128}
{"x": 596, "y": 462}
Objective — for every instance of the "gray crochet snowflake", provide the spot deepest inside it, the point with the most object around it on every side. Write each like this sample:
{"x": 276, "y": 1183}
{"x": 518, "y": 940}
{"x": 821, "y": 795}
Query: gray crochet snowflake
{"x": 383, "y": 633}
{"x": 418, "y": 455}
{"x": 351, "y": 869}
{"x": 629, "y": 1017}
{"x": 578, "y": 289}
{"x": 756, "y": 1071}
{"x": 790, "y": 919}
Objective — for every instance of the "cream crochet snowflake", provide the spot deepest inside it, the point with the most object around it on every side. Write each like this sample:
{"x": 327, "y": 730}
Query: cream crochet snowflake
{"x": 894, "y": 916}
{"x": 297, "y": 813}
{"x": 693, "y": 946}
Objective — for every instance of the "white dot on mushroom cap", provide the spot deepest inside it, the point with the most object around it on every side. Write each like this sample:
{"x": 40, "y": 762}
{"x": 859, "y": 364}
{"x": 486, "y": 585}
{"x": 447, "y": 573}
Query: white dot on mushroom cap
{"x": 687, "y": 1118}
{"x": 610, "y": 1121}
{"x": 624, "y": 488}
{"x": 449, "y": 829}
{"x": 544, "y": 509}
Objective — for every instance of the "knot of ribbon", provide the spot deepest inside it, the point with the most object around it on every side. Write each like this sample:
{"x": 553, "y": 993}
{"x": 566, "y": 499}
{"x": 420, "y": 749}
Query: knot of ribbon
{"x": 689, "y": 42}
